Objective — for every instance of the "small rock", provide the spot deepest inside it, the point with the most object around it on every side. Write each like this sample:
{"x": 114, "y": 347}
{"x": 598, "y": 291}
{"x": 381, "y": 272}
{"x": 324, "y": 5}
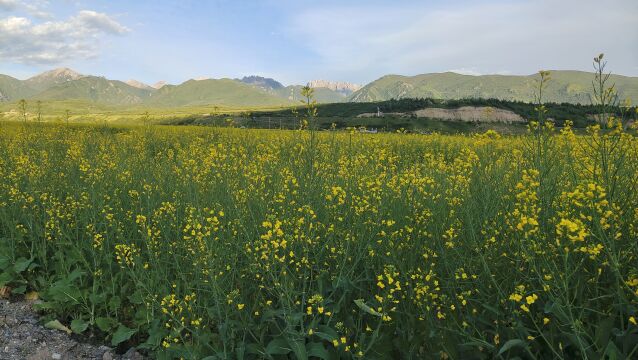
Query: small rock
{"x": 5, "y": 292}
{"x": 40, "y": 354}
{"x": 132, "y": 354}
{"x": 56, "y": 356}
{"x": 107, "y": 356}
{"x": 10, "y": 321}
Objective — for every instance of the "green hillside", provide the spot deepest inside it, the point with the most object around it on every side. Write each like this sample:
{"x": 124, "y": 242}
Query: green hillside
{"x": 253, "y": 92}
{"x": 224, "y": 92}
{"x": 96, "y": 89}
{"x": 566, "y": 86}
{"x": 13, "y": 89}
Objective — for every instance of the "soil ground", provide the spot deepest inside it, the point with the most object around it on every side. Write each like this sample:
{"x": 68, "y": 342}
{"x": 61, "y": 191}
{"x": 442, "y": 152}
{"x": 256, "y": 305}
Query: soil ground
{"x": 22, "y": 337}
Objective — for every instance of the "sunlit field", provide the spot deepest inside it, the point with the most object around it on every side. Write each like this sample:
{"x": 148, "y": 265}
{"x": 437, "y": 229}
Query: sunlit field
{"x": 236, "y": 243}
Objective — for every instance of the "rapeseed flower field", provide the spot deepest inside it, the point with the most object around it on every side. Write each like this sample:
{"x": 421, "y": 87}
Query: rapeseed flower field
{"x": 214, "y": 243}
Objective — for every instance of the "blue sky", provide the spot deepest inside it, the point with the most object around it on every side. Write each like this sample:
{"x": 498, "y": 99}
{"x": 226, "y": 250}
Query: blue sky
{"x": 297, "y": 41}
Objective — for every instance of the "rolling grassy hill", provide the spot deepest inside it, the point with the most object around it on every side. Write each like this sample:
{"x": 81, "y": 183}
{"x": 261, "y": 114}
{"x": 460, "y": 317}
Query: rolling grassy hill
{"x": 225, "y": 92}
{"x": 565, "y": 86}
{"x": 96, "y": 89}
{"x": 63, "y": 85}
{"x": 12, "y": 88}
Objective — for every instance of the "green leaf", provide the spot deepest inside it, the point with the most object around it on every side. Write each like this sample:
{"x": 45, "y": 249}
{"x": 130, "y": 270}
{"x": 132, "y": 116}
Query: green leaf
{"x": 43, "y": 306}
{"x": 5, "y": 278}
{"x": 105, "y": 324}
{"x": 19, "y": 290}
{"x": 114, "y": 303}
{"x": 136, "y": 298}
{"x": 326, "y": 333}
{"x": 603, "y": 332}
{"x": 510, "y": 344}
{"x": 79, "y": 326}
{"x": 5, "y": 261}
{"x": 255, "y": 349}
{"x": 612, "y": 352}
{"x": 75, "y": 274}
{"x": 22, "y": 264}
{"x": 241, "y": 351}
{"x": 278, "y": 346}
{"x": 317, "y": 350}
{"x": 298, "y": 348}
{"x": 549, "y": 307}
{"x": 97, "y": 299}
{"x": 156, "y": 333}
{"x": 490, "y": 308}
{"x": 362, "y": 305}
{"x": 56, "y": 325}
{"x": 122, "y": 334}
{"x": 64, "y": 290}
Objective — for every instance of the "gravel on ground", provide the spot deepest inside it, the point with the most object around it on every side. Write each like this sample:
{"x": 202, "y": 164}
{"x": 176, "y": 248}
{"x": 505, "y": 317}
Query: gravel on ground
{"x": 23, "y": 337}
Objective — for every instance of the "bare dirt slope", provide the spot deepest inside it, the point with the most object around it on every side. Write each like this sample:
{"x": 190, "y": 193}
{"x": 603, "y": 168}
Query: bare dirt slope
{"x": 485, "y": 114}
{"x": 22, "y": 337}
{"x": 471, "y": 113}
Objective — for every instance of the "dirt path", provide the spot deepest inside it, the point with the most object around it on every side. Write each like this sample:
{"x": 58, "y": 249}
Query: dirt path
{"x": 23, "y": 337}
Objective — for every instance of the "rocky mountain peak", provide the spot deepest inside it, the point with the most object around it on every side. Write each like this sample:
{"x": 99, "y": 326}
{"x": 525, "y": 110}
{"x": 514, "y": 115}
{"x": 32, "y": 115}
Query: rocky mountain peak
{"x": 158, "y": 85}
{"x": 262, "y": 82}
{"x": 139, "y": 84}
{"x": 59, "y": 73}
{"x": 343, "y": 87}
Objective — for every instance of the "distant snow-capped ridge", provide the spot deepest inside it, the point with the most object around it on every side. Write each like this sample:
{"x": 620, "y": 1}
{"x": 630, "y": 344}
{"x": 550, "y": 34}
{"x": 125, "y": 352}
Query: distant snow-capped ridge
{"x": 158, "y": 85}
{"x": 138, "y": 84}
{"x": 340, "y": 86}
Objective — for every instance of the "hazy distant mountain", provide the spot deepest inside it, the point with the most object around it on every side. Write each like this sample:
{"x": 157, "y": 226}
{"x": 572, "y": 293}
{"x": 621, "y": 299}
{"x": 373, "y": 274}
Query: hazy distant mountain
{"x": 267, "y": 84}
{"x": 139, "y": 85}
{"x": 344, "y": 88}
{"x": 52, "y": 78}
{"x": 565, "y": 86}
{"x": 225, "y": 92}
{"x": 159, "y": 84}
{"x": 96, "y": 89}
{"x": 65, "y": 84}
{"x": 323, "y": 94}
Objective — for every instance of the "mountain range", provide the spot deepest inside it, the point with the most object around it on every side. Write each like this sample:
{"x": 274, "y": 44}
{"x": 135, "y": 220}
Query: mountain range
{"x": 565, "y": 86}
{"x": 66, "y": 84}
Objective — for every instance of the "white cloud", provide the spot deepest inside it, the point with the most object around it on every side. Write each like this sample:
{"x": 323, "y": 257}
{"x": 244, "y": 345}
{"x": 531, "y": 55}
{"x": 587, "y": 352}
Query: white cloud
{"x": 34, "y": 8}
{"x": 100, "y": 22}
{"x": 485, "y": 37}
{"x": 24, "y": 41}
{"x": 37, "y": 11}
{"x": 8, "y": 5}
